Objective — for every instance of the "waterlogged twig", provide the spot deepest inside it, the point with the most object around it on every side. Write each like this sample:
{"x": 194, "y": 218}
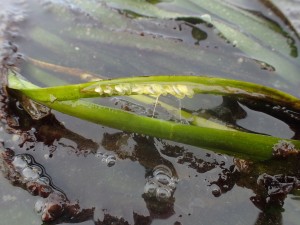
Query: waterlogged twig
{"x": 178, "y": 86}
{"x": 235, "y": 143}
{"x": 66, "y": 70}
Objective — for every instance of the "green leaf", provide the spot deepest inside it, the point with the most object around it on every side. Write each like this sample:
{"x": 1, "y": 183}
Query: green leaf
{"x": 235, "y": 143}
{"x": 178, "y": 86}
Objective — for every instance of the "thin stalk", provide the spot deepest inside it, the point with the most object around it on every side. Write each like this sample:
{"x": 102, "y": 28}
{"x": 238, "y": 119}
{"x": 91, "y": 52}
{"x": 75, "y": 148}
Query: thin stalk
{"x": 84, "y": 75}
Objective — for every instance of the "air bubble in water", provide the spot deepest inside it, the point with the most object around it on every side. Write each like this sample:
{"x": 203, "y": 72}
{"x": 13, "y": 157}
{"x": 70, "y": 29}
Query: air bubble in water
{"x": 21, "y": 161}
{"x": 163, "y": 179}
{"x": 150, "y": 187}
{"x": 163, "y": 193}
{"x": 163, "y": 175}
{"x": 99, "y": 154}
{"x": 30, "y": 173}
{"x": 37, "y": 169}
{"x": 109, "y": 160}
{"x": 172, "y": 183}
{"x": 161, "y": 183}
{"x": 162, "y": 169}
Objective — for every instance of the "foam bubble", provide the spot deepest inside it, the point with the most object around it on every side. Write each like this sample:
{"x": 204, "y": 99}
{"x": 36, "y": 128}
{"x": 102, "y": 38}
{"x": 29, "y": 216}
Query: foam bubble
{"x": 163, "y": 193}
{"x": 30, "y": 174}
{"x": 109, "y": 159}
{"x": 163, "y": 179}
{"x": 161, "y": 184}
{"x": 20, "y": 162}
{"x": 150, "y": 187}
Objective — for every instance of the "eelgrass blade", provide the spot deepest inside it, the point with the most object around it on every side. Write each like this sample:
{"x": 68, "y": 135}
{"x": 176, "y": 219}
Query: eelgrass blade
{"x": 41, "y": 75}
{"x": 178, "y": 86}
{"x": 234, "y": 143}
{"x": 262, "y": 29}
{"x": 259, "y": 38}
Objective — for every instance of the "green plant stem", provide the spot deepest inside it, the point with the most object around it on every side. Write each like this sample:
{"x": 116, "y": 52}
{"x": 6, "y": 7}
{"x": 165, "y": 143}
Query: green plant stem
{"x": 194, "y": 120}
{"x": 234, "y": 143}
{"x": 51, "y": 80}
{"x": 196, "y": 84}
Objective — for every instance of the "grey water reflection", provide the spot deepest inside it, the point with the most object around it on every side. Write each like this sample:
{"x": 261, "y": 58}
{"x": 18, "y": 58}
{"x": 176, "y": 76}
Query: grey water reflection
{"x": 61, "y": 170}
{"x": 170, "y": 172}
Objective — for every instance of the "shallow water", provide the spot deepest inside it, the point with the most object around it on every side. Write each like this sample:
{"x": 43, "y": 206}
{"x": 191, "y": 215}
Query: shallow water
{"x": 124, "y": 178}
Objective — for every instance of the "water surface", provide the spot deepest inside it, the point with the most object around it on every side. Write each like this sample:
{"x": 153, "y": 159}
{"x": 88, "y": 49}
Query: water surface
{"x": 114, "y": 177}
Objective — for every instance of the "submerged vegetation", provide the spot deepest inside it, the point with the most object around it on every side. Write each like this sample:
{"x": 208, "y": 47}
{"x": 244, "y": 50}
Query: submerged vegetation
{"x": 250, "y": 62}
{"x": 231, "y": 142}
{"x": 253, "y": 41}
